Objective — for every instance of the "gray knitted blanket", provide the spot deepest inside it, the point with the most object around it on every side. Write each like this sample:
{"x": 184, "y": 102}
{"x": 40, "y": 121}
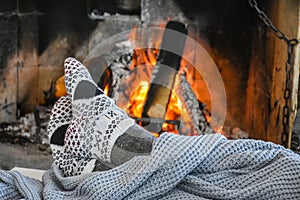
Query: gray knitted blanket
{"x": 179, "y": 167}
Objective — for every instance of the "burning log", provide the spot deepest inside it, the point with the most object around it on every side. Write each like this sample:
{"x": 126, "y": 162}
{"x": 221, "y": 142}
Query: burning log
{"x": 194, "y": 107}
{"x": 164, "y": 74}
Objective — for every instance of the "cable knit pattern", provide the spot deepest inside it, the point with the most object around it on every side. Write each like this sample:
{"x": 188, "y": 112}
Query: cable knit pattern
{"x": 179, "y": 167}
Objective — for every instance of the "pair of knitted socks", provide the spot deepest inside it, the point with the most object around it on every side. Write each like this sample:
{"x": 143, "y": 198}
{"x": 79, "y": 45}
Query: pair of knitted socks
{"x": 88, "y": 131}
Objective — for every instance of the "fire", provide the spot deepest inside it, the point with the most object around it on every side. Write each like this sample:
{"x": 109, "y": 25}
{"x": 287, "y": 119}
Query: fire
{"x": 142, "y": 56}
{"x": 106, "y": 89}
{"x": 173, "y": 112}
{"x": 137, "y": 96}
{"x": 137, "y": 100}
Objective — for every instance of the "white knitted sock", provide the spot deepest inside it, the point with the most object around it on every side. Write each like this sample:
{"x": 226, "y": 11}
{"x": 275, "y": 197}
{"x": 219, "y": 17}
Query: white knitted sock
{"x": 70, "y": 164}
{"x": 97, "y": 121}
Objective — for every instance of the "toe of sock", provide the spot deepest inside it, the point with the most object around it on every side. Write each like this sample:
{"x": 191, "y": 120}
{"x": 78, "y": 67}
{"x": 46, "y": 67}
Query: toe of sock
{"x": 61, "y": 115}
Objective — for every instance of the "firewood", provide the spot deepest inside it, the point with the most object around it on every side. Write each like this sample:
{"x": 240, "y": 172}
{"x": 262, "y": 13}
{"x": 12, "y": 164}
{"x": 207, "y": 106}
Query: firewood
{"x": 164, "y": 72}
{"x": 193, "y": 107}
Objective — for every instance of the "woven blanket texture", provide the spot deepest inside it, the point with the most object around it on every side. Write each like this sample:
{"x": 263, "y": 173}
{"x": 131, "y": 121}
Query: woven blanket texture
{"x": 179, "y": 167}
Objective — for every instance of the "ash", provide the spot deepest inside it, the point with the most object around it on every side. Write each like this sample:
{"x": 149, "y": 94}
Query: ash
{"x": 25, "y": 131}
{"x": 24, "y": 144}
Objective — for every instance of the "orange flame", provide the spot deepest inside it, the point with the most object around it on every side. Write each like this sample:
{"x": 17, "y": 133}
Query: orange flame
{"x": 106, "y": 89}
{"x": 137, "y": 100}
{"x": 138, "y": 96}
{"x": 147, "y": 57}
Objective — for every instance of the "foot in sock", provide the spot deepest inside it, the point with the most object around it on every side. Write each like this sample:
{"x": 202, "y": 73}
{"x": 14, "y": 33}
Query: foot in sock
{"x": 78, "y": 81}
{"x": 68, "y": 163}
{"x": 100, "y": 129}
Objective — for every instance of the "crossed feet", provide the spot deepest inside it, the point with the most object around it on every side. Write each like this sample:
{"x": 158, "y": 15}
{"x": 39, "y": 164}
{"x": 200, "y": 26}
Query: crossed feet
{"x": 88, "y": 131}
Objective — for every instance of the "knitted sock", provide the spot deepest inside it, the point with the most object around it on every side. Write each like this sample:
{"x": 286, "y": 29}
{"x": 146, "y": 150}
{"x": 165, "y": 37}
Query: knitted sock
{"x": 68, "y": 163}
{"x": 97, "y": 121}
{"x": 61, "y": 116}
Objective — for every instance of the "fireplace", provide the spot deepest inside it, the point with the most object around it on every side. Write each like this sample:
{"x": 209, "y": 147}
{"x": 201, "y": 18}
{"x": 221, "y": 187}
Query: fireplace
{"x": 249, "y": 58}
